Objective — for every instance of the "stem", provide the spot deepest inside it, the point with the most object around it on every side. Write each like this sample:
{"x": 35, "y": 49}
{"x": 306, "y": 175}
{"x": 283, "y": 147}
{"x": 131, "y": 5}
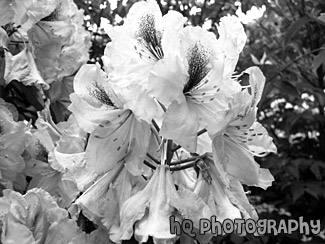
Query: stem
{"x": 169, "y": 152}
{"x": 188, "y": 160}
{"x": 295, "y": 60}
{"x": 156, "y": 134}
{"x": 154, "y": 123}
{"x": 186, "y": 166}
{"x": 149, "y": 164}
{"x": 153, "y": 158}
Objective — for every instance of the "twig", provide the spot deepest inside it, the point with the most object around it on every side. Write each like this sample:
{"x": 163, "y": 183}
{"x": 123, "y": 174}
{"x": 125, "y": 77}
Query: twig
{"x": 149, "y": 164}
{"x": 295, "y": 60}
{"x": 153, "y": 158}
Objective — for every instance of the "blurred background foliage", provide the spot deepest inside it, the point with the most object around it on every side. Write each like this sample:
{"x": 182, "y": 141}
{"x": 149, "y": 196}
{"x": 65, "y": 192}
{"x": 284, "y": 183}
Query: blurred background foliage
{"x": 287, "y": 42}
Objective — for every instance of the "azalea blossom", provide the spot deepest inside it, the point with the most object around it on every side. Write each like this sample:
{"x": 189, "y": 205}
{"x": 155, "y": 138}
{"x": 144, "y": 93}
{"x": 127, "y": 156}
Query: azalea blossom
{"x": 34, "y": 218}
{"x": 59, "y": 41}
{"x": 55, "y": 159}
{"x": 102, "y": 201}
{"x": 188, "y": 83}
{"x": 223, "y": 193}
{"x": 116, "y": 119}
{"x": 143, "y": 40}
{"x": 244, "y": 138}
{"x": 150, "y": 209}
{"x": 22, "y": 67}
{"x": 14, "y": 139}
{"x": 25, "y": 13}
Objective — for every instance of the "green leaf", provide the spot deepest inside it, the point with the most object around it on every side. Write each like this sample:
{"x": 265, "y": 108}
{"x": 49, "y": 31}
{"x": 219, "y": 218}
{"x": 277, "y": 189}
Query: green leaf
{"x": 287, "y": 88}
{"x": 318, "y": 60}
{"x": 294, "y": 28}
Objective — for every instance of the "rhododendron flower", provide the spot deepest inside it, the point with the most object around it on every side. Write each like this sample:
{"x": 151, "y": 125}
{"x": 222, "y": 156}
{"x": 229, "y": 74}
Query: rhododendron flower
{"x": 22, "y": 67}
{"x": 188, "y": 82}
{"x": 3, "y": 38}
{"x": 58, "y": 36}
{"x": 244, "y": 138}
{"x": 34, "y": 218}
{"x": 118, "y": 125}
{"x": 143, "y": 40}
{"x": 223, "y": 194}
{"x": 56, "y": 164}
{"x": 150, "y": 209}
{"x": 102, "y": 201}
{"x": 14, "y": 138}
{"x": 232, "y": 39}
{"x": 25, "y": 13}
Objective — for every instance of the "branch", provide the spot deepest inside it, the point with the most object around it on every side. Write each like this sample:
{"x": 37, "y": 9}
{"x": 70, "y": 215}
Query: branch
{"x": 294, "y": 61}
{"x": 153, "y": 158}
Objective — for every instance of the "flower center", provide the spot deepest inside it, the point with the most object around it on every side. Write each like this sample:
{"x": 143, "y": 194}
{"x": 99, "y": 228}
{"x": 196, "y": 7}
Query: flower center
{"x": 99, "y": 93}
{"x": 198, "y": 58}
{"x": 55, "y": 15}
{"x": 41, "y": 152}
{"x": 149, "y": 38}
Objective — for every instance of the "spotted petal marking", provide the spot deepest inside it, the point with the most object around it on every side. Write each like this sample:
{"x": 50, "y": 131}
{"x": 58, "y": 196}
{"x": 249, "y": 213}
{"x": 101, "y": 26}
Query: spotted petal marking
{"x": 149, "y": 39}
{"x": 256, "y": 139}
{"x": 201, "y": 86}
{"x": 198, "y": 58}
{"x": 109, "y": 142}
{"x": 55, "y": 15}
{"x": 98, "y": 93}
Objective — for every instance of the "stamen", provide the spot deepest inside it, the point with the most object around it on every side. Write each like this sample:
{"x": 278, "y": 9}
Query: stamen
{"x": 100, "y": 95}
{"x": 198, "y": 59}
{"x": 41, "y": 152}
{"x": 149, "y": 38}
{"x": 55, "y": 15}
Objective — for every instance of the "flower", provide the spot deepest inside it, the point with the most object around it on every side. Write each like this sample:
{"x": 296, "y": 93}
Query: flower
{"x": 14, "y": 138}
{"x": 142, "y": 41}
{"x": 25, "y": 13}
{"x": 114, "y": 117}
{"x": 22, "y": 67}
{"x": 59, "y": 41}
{"x": 224, "y": 195}
{"x": 55, "y": 159}
{"x": 188, "y": 82}
{"x": 232, "y": 38}
{"x": 102, "y": 201}
{"x": 150, "y": 209}
{"x": 243, "y": 137}
{"x": 34, "y": 218}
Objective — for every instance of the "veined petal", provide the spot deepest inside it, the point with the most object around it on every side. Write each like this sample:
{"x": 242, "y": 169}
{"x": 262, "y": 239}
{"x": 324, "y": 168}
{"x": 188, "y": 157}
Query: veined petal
{"x": 3, "y": 38}
{"x": 238, "y": 197}
{"x": 125, "y": 136}
{"x": 88, "y": 116}
{"x": 232, "y": 40}
{"x": 22, "y": 67}
{"x": 180, "y": 123}
{"x": 167, "y": 79}
{"x": 259, "y": 142}
{"x": 239, "y": 162}
{"x": 95, "y": 197}
{"x": 257, "y": 81}
{"x": 136, "y": 98}
{"x": 6, "y": 12}
{"x": 138, "y": 11}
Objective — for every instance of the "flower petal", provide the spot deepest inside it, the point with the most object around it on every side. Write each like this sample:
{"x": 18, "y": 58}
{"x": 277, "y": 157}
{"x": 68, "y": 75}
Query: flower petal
{"x": 180, "y": 123}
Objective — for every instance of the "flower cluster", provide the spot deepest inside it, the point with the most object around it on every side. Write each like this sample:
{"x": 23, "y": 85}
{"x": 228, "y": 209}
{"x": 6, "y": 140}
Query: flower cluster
{"x": 44, "y": 44}
{"x": 164, "y": 128}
